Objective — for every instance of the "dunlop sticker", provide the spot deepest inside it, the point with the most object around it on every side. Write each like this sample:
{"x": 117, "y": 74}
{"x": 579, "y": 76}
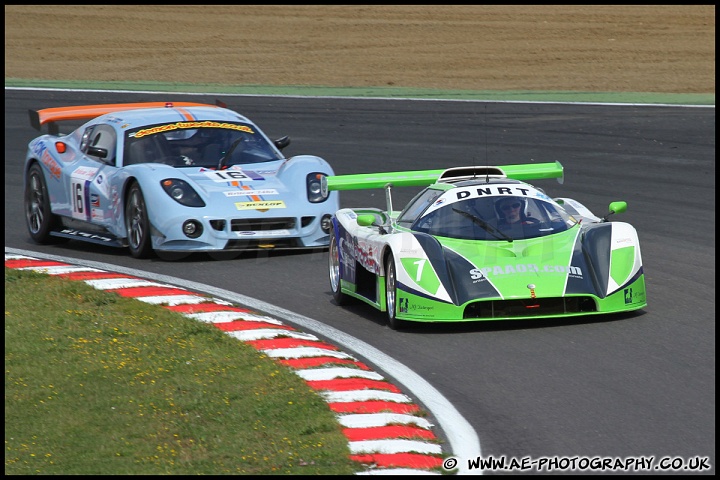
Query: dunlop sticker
{"x": 260, "y": 205}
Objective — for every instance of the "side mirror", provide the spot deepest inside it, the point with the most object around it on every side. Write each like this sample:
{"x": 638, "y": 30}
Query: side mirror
{"x": 97, "y": 152}
{"x": 366, "y": 220}
{"x": 618, "y": 207}
{"x": 615, "y": 207}
{"x": 370, "y": 220}
{"x": 282, "y": 142}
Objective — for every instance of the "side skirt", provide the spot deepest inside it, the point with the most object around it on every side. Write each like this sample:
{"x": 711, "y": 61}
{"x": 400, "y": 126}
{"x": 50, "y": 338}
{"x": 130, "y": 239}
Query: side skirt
{"x": 93, "y": 237}
{"x": 380, "y": 304}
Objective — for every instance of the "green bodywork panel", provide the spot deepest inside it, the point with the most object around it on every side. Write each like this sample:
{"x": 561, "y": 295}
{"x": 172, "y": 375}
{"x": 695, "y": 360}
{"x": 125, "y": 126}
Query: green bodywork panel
{"x": 529, "y": 278}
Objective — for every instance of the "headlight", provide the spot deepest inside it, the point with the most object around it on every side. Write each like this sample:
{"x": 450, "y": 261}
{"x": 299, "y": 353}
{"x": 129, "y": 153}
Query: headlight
{"x": 181, "y": 192}
{"x": 315, "y": 192}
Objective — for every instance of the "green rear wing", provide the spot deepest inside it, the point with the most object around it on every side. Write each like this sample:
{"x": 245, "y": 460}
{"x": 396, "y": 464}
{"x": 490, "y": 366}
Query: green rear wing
{"x": 422, "y": 178}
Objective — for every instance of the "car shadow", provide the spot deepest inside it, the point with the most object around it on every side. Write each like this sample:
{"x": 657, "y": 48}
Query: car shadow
{"x": 510, "y": 325}
{"x": 369, "y": 313}
{"x": 71, "y": 247}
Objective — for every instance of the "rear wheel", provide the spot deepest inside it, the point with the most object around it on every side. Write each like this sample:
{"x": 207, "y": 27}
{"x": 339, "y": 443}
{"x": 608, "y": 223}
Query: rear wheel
{"x": 137, "y": 223}
{"x": 391, "y": 293}
{"x": 40, "y": 219}
{"x": 334, "y": 271}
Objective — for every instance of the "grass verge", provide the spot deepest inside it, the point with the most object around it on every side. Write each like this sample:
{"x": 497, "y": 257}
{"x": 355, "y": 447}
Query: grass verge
{"x": 100, "y": 384}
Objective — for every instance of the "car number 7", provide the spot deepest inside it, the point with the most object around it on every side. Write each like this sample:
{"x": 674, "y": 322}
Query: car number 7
{"x": 421, "y": 264}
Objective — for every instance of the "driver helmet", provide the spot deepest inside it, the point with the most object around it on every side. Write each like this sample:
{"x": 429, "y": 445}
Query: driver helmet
{"x": 506, "y": 203}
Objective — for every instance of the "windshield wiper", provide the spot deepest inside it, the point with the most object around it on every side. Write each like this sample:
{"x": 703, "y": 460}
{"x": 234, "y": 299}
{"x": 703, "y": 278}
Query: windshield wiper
{"x": 485, "y": 226}
{"x": 232, "y": 148}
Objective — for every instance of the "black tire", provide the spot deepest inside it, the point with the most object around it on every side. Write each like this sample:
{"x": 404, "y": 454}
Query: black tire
{"x": 334, "y": 272}
{"x": 391, "y": 293}
{"x": 137, "y": 223}
{"x": 40, "y": 220}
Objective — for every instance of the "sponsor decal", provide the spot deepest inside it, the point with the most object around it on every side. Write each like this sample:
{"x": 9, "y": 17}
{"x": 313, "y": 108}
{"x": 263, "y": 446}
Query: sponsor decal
{"x": 115, "y": 203}
{"x": 51, "y": 165}
{"x": 266, "y": 204}
{"x": 633, "y": 297}
{"x": 240, "y": 193}
{"x": 352, "y": 250}
{"x": 101, "y": 185}
{"x": 94, "y": 200}
{"x": 346, "y": 247}
{"x": 405, "y": 306}
{"x": 93, "y": 236}
{"x": 184, "y": 125}
{"x": 480, "y": 274}
{"x": 491, "y": 191}
{"x": 84, "y": 173}
{"x": 97, "y": 215}
{"x": 231, "y": 175}
{"x": 79, "y": 186}
{"x": 264, "y": 233}
{"x": 364, "y": 254}
{"x": 543, "y": 196}
{"x": 38, "y": 148}
{"x": 459, "y": 194}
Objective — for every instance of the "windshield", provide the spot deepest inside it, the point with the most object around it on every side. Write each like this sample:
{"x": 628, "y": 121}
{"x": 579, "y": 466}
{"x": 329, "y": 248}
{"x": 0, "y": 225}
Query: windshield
{"x": 498, "y": 217}
{"x": 213, "y": 145}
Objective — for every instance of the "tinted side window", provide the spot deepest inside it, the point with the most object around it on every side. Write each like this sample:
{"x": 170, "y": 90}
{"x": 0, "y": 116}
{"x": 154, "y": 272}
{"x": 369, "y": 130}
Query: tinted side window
{"x": 418, "y": 205}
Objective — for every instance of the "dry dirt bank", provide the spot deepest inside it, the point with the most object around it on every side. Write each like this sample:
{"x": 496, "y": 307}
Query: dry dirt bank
{"x": 668, "y": 49}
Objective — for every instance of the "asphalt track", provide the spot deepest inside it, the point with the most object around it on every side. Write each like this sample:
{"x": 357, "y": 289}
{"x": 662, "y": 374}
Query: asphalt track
{"x": 621, "y": 386}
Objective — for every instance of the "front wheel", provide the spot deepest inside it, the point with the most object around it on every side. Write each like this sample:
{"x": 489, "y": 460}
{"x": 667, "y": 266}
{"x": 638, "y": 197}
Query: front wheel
{"x": 137, "y": 223}
{"x": 391, "y": 294}
{"x": 334, "y": 271}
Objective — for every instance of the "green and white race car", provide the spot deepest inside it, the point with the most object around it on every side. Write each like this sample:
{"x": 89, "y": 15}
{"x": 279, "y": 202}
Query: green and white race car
{"x": 479, "y": 243}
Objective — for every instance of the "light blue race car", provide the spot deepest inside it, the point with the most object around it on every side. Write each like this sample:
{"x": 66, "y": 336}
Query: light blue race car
{"x": 171, "y": 179}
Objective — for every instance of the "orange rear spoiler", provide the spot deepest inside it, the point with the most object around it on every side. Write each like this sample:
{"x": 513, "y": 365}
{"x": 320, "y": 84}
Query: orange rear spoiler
{"x": 50, "y": 116}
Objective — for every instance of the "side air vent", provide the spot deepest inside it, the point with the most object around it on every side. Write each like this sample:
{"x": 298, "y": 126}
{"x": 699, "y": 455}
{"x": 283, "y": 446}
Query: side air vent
{"x": 259, "y": 224}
